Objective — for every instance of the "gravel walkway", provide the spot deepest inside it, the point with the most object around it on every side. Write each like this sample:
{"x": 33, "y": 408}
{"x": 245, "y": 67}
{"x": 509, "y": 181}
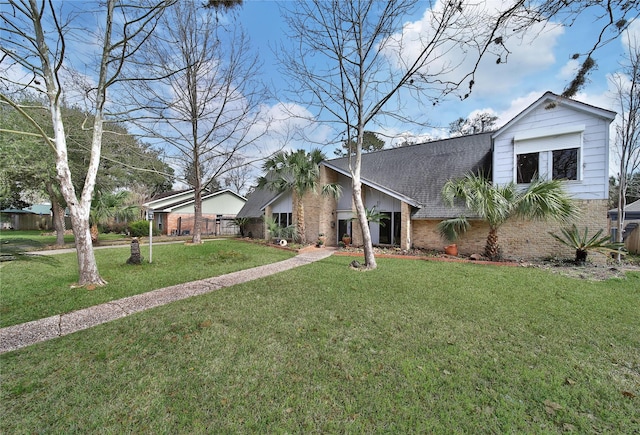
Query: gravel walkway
{"x": 18, "y": 336}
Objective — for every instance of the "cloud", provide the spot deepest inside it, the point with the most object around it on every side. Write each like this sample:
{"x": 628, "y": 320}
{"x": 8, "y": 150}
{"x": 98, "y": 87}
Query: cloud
{"x": 631, "y": 34}
{"x": 530, "y": 52}
{"x": 569, "y": 70}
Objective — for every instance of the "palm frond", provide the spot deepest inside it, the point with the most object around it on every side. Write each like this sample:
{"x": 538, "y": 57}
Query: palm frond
{"x": 453, "y": 228}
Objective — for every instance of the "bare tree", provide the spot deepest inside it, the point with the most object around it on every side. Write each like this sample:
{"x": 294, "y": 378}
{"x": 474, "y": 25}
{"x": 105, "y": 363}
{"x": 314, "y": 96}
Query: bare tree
{"x": 206, "y": 105}
{"x": 239, "y": 176}
{"x": 353, "y": 65}
{"x": 608, "y": 19}
{"x": 479, "y": 123}
{"x": 35, "y": 37}
{"x": 627, "y": 142}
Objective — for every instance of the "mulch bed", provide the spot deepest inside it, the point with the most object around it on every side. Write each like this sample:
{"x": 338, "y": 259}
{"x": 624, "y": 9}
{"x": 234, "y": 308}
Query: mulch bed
{"x": 587, "y": 271}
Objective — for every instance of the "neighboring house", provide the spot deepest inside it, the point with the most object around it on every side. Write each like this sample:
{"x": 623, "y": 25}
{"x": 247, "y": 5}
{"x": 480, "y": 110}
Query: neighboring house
{"x": 35, "y": 217}
{"x": 631, "y": 226}
{"x": 554, "y": 137}
{"x": 174, "y": 212}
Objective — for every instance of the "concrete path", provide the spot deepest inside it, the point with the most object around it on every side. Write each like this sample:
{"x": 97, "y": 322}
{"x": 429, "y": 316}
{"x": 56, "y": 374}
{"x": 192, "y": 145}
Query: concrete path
{"x": 25, "y": 334}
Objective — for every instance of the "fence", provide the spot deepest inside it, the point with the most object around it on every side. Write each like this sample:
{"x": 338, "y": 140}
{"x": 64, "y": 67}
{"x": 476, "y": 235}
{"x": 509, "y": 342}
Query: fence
{"x": 223, "y": 226}
{"x": 28, "y": 221}
{"x": 632, "y": 241}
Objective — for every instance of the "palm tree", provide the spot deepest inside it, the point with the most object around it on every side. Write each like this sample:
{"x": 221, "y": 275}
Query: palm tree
{"x": 297, "y": 171}
{"x": 106, "y": 206}
{"x": 495, "y": 204}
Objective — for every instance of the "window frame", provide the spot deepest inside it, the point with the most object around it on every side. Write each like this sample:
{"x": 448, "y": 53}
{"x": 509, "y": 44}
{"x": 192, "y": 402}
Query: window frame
{"x": 545, "y": 143}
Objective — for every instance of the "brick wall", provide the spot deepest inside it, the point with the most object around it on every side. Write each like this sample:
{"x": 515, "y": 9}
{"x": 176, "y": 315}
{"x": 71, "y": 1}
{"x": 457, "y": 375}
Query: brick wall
{"x": 320, "y": 210}
{"x": 525, "y": 239}
{"x": 518, "y": 239}
{"x": 425, "y": 235}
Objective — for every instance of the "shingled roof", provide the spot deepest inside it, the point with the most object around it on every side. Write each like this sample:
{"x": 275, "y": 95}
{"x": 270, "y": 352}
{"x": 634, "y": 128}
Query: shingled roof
{"x": 416, "y": 173}
{"x": 256, "y": 201}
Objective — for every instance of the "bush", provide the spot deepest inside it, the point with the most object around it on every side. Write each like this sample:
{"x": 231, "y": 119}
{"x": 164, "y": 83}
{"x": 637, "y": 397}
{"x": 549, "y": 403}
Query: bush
{"x": 141, "y": 229}
{"x": 117, "y": 228}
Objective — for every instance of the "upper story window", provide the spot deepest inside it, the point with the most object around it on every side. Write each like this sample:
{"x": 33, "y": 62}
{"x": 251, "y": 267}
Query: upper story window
{"x": 565, "y": 164}
{"x": 527, "y": 167}
{"x": 548, "y": 154}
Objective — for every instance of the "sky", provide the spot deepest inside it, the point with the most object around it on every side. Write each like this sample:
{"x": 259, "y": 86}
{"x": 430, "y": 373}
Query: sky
{"x": 539, "y": 63}
{"x": 535, "y": 66}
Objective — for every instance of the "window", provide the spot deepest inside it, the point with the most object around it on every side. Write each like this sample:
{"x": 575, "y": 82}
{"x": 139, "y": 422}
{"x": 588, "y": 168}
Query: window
{"x": 565, "y": 164}
{"x": 549, "y": 153}
{"x": 562, "y": 164}
{"x": 527, "y": 166}
{"x": 283, "y": 219}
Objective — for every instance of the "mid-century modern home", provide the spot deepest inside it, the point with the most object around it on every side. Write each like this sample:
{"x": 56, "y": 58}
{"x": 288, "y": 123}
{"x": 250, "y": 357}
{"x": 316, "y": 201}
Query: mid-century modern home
{"x": 174, "y": 211}
{"x": 554, "y": 137}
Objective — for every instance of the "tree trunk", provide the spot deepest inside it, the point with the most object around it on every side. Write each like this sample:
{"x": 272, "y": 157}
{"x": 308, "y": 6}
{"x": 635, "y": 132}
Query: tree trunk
{"x": 197, "y": 216}
{"x": 581, "y": 256}
{"x": 622, "y": 202}
{"x": 492, "y": 250}
{"x": 301, "y": 228}
{"x": 94, "y": 233}
{"x": 87, "y": 266}
{"x": 57, "y": 212}
{"x": 369, "y": 257}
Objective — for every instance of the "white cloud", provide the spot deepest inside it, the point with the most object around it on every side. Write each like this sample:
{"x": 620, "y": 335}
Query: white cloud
{"x": 569, "y": 70}
{"x": 531, "y": 52}
{"x": 631, "y": 34}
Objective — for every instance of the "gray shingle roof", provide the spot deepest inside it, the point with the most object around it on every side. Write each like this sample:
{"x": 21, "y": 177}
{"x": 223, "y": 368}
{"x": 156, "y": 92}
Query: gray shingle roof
{"x": 256, "y": 202}
{"x": 419, "y": 171}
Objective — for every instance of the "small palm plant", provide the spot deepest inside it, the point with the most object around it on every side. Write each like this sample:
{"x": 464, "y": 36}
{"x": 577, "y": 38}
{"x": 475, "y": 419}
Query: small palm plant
{"x": 453, "y": 228}
{"x": 372, "y": 215}
{"x": 582, "y": 243}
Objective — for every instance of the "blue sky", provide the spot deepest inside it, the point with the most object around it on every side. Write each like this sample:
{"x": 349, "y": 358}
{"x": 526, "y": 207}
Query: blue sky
{"x": 538, "y": 65}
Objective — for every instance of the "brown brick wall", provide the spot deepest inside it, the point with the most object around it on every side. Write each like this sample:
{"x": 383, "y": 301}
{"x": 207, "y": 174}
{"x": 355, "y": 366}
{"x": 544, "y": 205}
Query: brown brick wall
{"x": 320, "y": 210}
{"x": 525, "y": 239}
{"x": 425, "y": 235}
{"x": 255, "y": 227}
{"x": 518, "y": 239}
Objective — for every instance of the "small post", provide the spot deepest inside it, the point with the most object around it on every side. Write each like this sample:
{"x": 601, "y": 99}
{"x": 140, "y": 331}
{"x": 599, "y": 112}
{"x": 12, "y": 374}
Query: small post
{"x": 135, "y": 257}
{"x": 150, "y": 219}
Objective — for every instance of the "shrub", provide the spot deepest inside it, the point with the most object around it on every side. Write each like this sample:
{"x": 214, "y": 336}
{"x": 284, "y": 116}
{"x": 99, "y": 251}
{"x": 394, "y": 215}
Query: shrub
{"x": 141, "y": 229}
{"x": 582, "y": 243}
{"x": 117, "y": 227}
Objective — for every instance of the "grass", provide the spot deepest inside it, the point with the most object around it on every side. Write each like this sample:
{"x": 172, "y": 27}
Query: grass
{"x": 412, "y": 347}
{"x": 33, "y": 290}
{"x": 47, "y": 239}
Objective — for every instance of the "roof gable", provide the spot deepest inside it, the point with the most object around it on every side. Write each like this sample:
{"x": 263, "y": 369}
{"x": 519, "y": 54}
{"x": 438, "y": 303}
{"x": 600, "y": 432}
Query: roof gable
{"x": 549, "y": 98}
{"x": 416, "y": 173}
{"x": 185, "y": 198}
{"x": 256, "y": 202}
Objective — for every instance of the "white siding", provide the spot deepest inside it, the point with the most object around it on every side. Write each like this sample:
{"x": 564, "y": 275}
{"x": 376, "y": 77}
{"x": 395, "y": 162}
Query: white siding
{"x": 594, "y": 152}
{"x": 345, "y": 200}
{"x": 284, "y": 204}
{"x": 226, "y": 204}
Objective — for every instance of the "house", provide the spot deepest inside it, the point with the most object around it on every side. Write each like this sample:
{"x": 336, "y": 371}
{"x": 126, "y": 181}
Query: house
{"x": 554, "y": 137}
{"x": 631, "y": 226}
{"x": 174, "y": 211}
{"x": 35, "y": 217}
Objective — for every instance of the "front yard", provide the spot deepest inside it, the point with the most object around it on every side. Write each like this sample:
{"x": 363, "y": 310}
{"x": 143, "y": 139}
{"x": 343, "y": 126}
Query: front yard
{"x": 414, "y": 346}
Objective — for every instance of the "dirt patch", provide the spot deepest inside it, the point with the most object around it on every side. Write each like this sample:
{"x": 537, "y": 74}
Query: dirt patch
{"x": 588, "y": 271}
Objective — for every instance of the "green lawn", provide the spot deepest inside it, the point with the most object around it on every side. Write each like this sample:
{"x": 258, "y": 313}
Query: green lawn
{"x": 32, "y": 290}
{"x": 412, "y": 347}
{"x": 46, "y": 239}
